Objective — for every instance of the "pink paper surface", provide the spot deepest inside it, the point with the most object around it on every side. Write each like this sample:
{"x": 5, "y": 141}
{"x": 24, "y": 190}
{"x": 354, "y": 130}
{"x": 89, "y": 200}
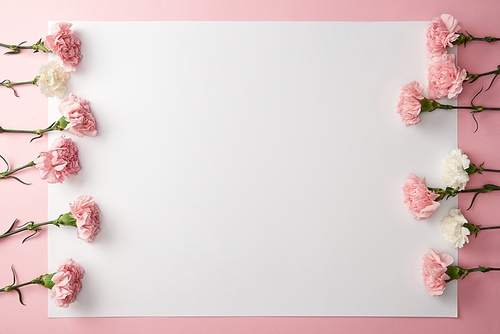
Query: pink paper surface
{"x": 478, "y": 294}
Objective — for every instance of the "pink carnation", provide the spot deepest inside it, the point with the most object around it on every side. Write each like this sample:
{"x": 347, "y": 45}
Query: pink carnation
{"x": 434, "y": 271}
{"x": 418, "y": 198}
{"x": 77, "y": 113}
{"x": 409, "y": 103}
{"x": 67, "y": 282}
{"x": 59, "y": 161}
{"x": 64, "y": 44}
{"x": 86, "y": 213}
{"x": 445, "y": 78}
{"x": 441, "y": 33}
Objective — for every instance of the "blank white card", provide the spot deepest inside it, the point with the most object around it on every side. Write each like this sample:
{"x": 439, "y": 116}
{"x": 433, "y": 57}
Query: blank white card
{"x": 252, "y": 169}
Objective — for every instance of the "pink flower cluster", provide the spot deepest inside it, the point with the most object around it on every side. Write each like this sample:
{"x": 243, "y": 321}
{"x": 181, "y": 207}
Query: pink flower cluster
{"x": 434, "y": 271}
{"x": 59, "y": 161}
{"x": 418, "y": 198}
{"x": 65, "y": 44}
{"x": 444, "y": 77}
{"x": 409, "y": 103}
{"x": 77, "y": 113}
{"x": 86, "y": 213}
{"x": 67, "y": 282}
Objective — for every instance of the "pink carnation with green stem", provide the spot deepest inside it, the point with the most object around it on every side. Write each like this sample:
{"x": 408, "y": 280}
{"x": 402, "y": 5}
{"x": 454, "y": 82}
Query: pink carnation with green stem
{"x": 61, "y": 41}
{"x": 443, "y": 33}
{"x": 412, "y": 104}
{"x": 422, "y": 201}
{"x": 437, "y": 271}
{"x": 54, "y": 165}
{"x": 77, "y": 119}
{"x": 65, "y": 283}
{"x": 83, "y": 214}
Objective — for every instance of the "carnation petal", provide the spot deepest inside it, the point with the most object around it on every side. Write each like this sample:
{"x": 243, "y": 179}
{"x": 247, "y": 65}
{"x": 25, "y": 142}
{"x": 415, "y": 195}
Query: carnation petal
{"x": 59, "y": 162}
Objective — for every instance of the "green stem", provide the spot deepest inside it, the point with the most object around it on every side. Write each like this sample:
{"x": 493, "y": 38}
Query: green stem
{"x": 471, "y": 77}
{"x": 490, "y": 170}
{"x": 456, "y": 272}
{"x": 474, "y": 229}
{"x": 489, "y": 228}
{"x": 465, "y": 38}
{"x": 477, "y": 190}
{"x": 487, "y": 39}
{"x": 65, "y": 219}
{"x": 9, "y": 84}
{"x": 477, "y": 108}
{"x": 479, "y": 169}
{"x": 429, "y": 105}
{"x": 14, "y": 49}
{"x": 30, "y": 227}
{"x": 13, "y": 287}
{"x": 9, "y": 172}
{"x": 37, "y": 132}
{"x": 481, "y": 269}
{"x": 58, "y": 125}
{"x": 450, "y": 192}
{"x": 39, "y": 280}
{"x": 474, "y": 109}
{"x": 485, "y": 189}
{"x": 43, "y": 280}
{"x": 18, "y": 131}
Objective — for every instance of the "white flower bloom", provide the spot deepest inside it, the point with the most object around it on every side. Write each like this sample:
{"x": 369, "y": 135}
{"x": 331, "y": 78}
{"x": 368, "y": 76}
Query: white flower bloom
{"x": 453, "y": 229}
{"x": 454, "y": 172}
{"x": 53, "y": 79}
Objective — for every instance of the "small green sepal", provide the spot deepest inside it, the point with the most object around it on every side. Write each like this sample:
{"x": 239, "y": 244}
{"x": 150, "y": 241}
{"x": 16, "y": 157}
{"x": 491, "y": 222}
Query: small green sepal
{"x": 472, "y": 169}
{"x": 47, "y": 281}
{"x": 65, "y": 219}
{"x": 428, "y": 105}
{"x": 455, "y": 272}
{"x": 463, "y": 39}
{"x": 61, "y": 124}
{"x": 473, "y": 229}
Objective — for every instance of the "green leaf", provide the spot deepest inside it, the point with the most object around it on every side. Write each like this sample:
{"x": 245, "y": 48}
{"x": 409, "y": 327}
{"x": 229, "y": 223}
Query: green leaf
{"x": 12, "y": 226}
{"x": 20, "y": 297}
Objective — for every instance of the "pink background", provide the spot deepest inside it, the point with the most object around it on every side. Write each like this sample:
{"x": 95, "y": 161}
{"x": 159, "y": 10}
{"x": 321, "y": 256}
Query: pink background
{"x": 478, "y": 294}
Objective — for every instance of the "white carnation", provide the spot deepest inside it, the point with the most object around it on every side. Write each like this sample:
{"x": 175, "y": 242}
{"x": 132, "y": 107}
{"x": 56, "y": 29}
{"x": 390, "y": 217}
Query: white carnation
{"x": 454, "y": 172}
{"x": 53, "y": 79}
{"x": 453, "y": 229}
